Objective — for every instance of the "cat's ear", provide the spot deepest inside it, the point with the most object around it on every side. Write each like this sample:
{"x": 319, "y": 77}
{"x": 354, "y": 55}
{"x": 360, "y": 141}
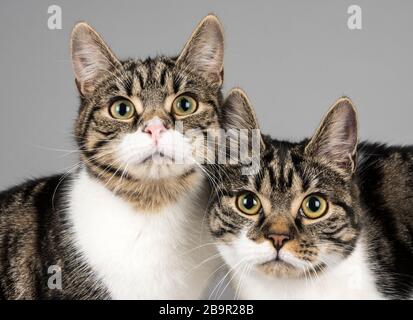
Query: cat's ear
{"x": 238, "y": 112}
{"x": 91, "y": 57}
{"x": 204, "y": 51}
{"x": 336, "y": 139}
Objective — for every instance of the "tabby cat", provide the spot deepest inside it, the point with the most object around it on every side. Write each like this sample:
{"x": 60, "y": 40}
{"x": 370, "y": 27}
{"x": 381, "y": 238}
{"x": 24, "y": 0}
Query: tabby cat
{"x": 325, "y": 218}
{"x": 122, "y": 225}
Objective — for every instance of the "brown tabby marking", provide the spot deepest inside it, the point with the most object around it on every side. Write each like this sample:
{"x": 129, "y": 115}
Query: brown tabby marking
{"x": 152, "y": 85}
{"x": 36, "y": 230}
{"x": 369, "y": 192}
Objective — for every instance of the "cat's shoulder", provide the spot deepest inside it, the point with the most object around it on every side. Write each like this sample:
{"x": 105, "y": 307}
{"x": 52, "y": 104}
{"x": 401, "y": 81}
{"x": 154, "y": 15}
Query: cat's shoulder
{"x": 384, "y": 162}
{"x": 33, "y": 193}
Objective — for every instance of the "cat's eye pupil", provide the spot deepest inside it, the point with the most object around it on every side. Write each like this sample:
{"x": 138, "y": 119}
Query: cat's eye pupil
{"x": 122, "y": 109}
{"x": 249, "y": 202}
{"x": 314, "y": 204}
{"x": 184, "y": 104}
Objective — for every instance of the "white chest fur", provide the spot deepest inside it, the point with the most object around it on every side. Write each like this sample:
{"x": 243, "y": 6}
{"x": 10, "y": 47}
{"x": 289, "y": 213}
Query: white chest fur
{"x": 351, "y": 279}
{"x": 141, "y": 255}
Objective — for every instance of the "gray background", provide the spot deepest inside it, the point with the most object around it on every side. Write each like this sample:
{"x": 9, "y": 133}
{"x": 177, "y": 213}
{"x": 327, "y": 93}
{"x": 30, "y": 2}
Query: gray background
{"x": 294, "y": 58}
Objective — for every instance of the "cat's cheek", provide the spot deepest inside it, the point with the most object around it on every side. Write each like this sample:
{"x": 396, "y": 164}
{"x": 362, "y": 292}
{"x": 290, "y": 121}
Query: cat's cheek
{"x": 135, "y": 148}
{"x": 176, "y": 146}
{"x": 229, "y": 254}
{"x": 329, "y": 257}
{"x": 293, "y": 260}
{"x": 202, "y": 151}
{"x": 257, "y": 252}
{"x": 244, "y": 250}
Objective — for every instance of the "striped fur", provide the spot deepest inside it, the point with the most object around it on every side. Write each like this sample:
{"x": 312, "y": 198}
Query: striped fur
{"x": 370, "y": 215}
{"x": 69, "y": 220}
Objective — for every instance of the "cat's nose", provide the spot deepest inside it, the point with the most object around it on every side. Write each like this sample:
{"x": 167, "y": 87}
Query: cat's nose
{"x": 155, "y": 128}
{"x": 278, "y": 240}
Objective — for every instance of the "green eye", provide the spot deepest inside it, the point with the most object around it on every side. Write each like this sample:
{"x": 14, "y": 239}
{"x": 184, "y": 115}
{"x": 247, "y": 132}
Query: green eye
{"x": 122, "y": 109}
{"x": 248, "y": 203}
{"x": 314, "y": 207}
{"x": 184, "y": 105}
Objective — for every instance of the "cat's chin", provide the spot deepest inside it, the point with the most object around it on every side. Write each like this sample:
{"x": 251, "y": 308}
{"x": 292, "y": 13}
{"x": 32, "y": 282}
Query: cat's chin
{"x": 285, "y": 270}
{"x": 152, "y": 170}
{"x": 279, "y": 269}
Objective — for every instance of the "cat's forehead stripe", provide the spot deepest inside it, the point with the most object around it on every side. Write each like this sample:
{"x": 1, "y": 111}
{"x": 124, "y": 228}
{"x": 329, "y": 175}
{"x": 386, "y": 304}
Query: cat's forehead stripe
{"x": 277, "y": 170}
{"x": 146, "y": 74}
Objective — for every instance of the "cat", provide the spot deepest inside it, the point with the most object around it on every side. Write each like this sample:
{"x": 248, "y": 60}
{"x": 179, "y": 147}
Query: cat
{"x": 325, "y": 218}
{"x": 124, "y": 224}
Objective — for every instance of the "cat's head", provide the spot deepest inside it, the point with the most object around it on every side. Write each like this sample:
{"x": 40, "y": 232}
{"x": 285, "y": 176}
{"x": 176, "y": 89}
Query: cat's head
{"x": 130, "y": 110}
{"x": 300, "y": 213}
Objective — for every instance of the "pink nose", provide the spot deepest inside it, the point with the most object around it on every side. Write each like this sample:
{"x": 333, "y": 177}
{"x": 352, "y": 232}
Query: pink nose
{"x": 155, "y": 130}
{"x": 279, "y": 239}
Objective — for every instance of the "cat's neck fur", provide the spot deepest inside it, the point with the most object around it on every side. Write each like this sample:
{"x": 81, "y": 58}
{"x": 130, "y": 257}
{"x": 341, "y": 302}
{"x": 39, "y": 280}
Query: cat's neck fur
{"x": 136, "y": 253}
{"x": 350, "y": 279}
